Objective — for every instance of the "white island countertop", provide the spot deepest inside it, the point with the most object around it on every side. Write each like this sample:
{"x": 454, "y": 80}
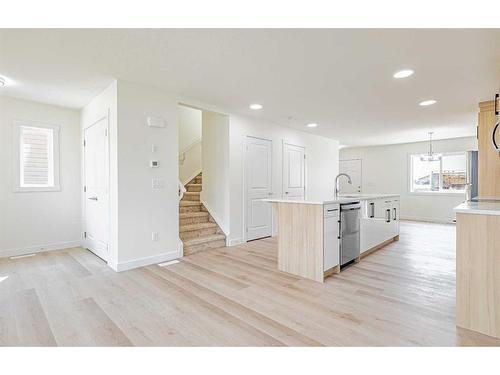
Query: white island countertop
{"x": 341, "y": 199}
{"x": 484, "y": 206}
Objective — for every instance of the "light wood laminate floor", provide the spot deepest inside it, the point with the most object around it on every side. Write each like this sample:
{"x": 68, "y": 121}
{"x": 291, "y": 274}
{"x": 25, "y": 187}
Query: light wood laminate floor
{"x": 401, "y": 295}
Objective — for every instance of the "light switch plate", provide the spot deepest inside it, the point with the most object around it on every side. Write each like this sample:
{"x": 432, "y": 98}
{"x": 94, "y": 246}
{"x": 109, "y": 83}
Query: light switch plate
{"x": 156, "y": 122}
{"x": 158, "y": 183}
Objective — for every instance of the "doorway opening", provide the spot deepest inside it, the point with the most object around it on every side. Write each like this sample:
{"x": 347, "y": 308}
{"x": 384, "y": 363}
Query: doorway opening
{"x": 202, "y": 179}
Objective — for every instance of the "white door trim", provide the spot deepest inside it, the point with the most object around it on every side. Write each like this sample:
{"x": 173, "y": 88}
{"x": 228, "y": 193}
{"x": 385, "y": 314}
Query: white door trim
{"x": 283, "y": 143}
{"x": 84, "y": 241}
{"x": 244, "y": 184}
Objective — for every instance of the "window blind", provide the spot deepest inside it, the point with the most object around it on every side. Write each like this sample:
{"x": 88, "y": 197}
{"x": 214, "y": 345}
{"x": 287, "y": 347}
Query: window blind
{"x": 37, "y": 158}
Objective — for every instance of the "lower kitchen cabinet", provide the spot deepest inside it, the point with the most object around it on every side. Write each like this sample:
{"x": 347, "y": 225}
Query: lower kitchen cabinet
{"x": 379, "y": 222}
{"x": 331, "y": 234}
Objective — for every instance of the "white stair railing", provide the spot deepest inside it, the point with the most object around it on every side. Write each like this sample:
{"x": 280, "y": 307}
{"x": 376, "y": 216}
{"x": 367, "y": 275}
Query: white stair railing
{"x": 182, "y": 189}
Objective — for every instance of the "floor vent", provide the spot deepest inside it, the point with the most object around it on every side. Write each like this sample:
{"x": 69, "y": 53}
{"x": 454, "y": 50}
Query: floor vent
{"x": 165, "y": 264}
{"x": 22, "y": 256}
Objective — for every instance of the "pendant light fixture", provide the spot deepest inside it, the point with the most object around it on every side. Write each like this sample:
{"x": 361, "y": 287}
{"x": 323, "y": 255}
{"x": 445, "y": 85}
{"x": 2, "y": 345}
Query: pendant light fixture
{"x": 431, "y": 156}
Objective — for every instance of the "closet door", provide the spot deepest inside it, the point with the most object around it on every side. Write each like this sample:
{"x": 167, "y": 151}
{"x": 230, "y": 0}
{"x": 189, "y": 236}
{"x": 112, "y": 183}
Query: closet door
{"x": 294, "y": 168}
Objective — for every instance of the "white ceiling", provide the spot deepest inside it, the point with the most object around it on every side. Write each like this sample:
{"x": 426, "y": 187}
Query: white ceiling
{"x": 339, "y": 78}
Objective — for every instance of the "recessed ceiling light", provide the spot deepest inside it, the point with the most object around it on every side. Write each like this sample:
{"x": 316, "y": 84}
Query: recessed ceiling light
{"x": 256, "y": 106}
{"x": 427, "y": 102}
{"x": 403, "y": 73}
{"x": 312, "y": 125}
{"x": 2, "y": 81}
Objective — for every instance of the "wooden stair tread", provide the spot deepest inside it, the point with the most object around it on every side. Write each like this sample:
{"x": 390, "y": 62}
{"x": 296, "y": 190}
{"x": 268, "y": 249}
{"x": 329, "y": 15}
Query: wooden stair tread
{"x": 190, "y": 227}
{"x": 189, "y": 203}
{"x": 203, "y": 239}
{"x": 184, "y": 215}
{"x": 197, "y": 230}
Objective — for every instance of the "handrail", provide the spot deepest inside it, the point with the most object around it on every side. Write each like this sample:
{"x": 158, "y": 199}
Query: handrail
{"x": 182, "y": 153}
{"x": 182, "y": 189}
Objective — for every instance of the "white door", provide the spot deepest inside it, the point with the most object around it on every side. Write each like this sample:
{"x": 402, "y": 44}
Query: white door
{"x": 258, "y": 177}
{"x": 96, "y": 188}
{"x": 353, "y": 168}
{"x": 294, "y": 168}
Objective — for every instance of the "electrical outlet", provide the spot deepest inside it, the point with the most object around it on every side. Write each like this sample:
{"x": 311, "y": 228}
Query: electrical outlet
{"x": 154, "y": 236}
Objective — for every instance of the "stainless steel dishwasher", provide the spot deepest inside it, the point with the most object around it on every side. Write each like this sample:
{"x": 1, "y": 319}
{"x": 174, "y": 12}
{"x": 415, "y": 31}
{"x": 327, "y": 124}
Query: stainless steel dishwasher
{"x": 349, "y": 232}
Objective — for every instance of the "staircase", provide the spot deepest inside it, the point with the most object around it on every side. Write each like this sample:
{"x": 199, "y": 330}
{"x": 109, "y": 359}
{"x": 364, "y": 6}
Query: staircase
{"x": 197, "y": 229}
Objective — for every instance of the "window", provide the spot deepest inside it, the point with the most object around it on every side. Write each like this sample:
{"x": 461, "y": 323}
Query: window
{"x": 36, "y": 157}
{"x": 446, "y": 175}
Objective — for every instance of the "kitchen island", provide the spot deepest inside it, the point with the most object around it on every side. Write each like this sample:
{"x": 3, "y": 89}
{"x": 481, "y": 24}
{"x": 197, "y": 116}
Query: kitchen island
{"x": 478, "y": 266}
{"x": 310, "y": 231}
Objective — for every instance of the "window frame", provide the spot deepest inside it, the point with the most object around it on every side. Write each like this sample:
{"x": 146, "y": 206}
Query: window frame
{"x": 16, "y": 144}
{"x": 441, "y": 192}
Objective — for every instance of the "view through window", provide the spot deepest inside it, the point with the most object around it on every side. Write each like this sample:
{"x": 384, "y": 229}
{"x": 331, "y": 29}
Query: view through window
{"x": 445, "y": 175}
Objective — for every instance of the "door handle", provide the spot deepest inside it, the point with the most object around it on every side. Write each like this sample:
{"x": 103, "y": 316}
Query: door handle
{"x": 286, "y": 192}
{"x": 493, "y": 137}
{"x": 394, "y": 213}
{"x": 387, "y": 216}
{"x": 270, "y": 193}
{"x": 93, "y": 198}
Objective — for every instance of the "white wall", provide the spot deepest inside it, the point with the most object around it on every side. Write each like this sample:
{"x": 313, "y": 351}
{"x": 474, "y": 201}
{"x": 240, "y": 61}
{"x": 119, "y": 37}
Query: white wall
{"x": 106, "y": 104}
{"x": 215, "y": 166}
{"x": 386, "y": 170}
{"x": 136, "y": 209}
{"x": 189, "y": 143}
{"x": 141, "y": 209}
{"x": 189, "y": 126}
{"x": 321, "y": 165}
{"x": 30, "y": 221}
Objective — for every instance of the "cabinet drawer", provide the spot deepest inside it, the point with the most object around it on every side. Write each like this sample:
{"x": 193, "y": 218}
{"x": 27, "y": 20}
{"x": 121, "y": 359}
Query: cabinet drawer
{"x": 332, "y": 209}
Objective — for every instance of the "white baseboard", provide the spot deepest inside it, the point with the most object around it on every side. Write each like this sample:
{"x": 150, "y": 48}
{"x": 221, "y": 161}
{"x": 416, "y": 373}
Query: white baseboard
{"x": 146, "y": 261}
{"x": 234, "y": 241}
{"x": 39, "y": 248}
{"x": 426, "y": 219}
{"x": 180, "y": 248}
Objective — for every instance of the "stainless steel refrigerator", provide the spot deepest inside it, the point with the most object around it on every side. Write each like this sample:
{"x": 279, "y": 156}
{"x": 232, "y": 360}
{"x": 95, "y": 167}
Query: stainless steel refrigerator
{"x": 471, "y": 187}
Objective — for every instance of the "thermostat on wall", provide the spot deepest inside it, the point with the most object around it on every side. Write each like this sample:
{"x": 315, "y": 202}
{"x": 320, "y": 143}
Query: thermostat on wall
{"x": 154, "y": 164}
{"x": 156, "y": 122}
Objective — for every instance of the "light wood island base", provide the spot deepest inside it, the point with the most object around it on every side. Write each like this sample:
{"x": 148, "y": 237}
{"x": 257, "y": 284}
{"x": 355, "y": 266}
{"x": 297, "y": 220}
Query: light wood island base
{"x": 478, "y": 273}
{"x": 300, "y": 239}
{"x": 332, "y": 271}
